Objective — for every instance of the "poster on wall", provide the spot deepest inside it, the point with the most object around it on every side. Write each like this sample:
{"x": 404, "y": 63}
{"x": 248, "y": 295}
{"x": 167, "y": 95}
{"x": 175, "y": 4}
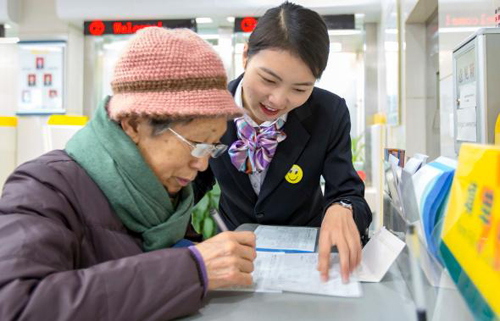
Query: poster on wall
{"x": 466, "y": 108}
{"x": 41, "y": 77}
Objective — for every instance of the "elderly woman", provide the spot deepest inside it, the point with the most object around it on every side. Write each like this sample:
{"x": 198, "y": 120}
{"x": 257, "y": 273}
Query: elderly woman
{"x": 86, "y": 233}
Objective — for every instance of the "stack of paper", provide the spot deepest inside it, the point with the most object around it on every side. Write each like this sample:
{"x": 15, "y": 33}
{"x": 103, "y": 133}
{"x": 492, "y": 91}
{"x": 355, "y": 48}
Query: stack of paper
{"x": 297, "y": 272}
{"x": 278, "y": 272}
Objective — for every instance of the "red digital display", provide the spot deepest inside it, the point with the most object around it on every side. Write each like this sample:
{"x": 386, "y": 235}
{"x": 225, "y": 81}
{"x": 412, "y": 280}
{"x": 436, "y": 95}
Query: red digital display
{"x": 96, "y": 28}
{"x": 248, "y": 24}
{"x": 127, "y": 27}
{"x": 472, "y": 21}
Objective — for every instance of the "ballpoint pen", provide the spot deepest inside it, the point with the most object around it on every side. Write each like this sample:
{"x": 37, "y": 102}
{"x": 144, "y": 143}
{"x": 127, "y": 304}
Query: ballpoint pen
{"x": 218, "y": 220}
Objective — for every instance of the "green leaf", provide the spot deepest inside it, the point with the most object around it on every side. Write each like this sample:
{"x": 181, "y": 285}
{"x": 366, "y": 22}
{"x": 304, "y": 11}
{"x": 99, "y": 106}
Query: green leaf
{"x": 199, "y": 213}
{"x": 216, "y": 189}
{"x": 203, "y": 204}
{"x": 196, "y": 220}
{"x": 208, "y": 228}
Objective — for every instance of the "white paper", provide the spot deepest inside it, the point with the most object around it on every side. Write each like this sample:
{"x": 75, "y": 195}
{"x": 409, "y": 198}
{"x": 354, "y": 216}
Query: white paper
{"x": 298, "y": 273}
{"x": 378, "y": 255}
{"x": 468, "y": 95}
{"x": 466, "y": 124}
{"x": 413, "y": 165}
{"x": 286, "y": 238}
{"x": 277, "y": 272}
{"x": 265, "y": 265}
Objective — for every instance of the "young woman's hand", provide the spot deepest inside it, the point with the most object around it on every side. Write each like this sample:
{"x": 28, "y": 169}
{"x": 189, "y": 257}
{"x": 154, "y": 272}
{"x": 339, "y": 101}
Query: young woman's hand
{"x": 229, "y": 259}
{"x": 338, "y": 228}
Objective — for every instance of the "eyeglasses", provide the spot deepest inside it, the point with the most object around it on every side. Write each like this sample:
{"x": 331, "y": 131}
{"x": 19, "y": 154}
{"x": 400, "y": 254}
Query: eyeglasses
{"x": 201, "y": 150}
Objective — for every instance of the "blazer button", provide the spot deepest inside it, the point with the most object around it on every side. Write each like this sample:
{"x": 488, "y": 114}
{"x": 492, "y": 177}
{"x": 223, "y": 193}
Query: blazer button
{"x": 259, "y": 216}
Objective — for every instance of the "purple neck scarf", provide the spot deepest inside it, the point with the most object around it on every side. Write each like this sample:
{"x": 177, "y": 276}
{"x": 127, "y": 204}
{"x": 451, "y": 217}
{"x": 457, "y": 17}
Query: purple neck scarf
{"x": 255, "y": 148}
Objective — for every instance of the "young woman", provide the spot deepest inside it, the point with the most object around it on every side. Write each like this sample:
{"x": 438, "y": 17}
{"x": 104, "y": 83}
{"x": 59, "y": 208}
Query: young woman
{"x": 291, "y": 134}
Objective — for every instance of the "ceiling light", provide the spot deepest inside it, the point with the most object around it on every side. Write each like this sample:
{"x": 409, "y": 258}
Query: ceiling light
{"x": 204, "y": 20}
{"x": 344, "y": 32}
{"x": 209, "y": 36}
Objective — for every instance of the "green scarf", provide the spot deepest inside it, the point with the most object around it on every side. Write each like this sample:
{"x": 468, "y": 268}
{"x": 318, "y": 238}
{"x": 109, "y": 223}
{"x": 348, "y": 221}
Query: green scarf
{"x": 139, "y": 199}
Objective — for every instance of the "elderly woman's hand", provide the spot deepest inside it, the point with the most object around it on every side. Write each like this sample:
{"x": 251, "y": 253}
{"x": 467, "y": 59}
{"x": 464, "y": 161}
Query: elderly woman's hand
{"x": 229, "y": 259}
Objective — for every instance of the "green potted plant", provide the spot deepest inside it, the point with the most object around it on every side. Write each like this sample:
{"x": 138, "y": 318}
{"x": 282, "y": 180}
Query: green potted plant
{"x": 358, "y": 150}
{"x": 201, "y": 219}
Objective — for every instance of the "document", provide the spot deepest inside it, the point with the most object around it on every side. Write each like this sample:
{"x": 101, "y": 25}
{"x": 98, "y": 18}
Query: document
{"x": 378, "y": 255}
{"x": 468, "y": 95}
{"x": 467, "y": 124}
{"x": 264, "y": 267}
{"x": 298, "y": 273}
{"x": 278, "y": 272}
{"x": 289, "y": 239}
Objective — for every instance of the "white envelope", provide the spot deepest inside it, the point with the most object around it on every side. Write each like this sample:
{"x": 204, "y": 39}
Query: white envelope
{"x": 378, "y": 255}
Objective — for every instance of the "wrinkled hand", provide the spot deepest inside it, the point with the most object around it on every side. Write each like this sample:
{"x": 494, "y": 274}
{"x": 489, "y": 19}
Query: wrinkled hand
{"x": 338, "y": 228}
{"x": 229, "y": 259}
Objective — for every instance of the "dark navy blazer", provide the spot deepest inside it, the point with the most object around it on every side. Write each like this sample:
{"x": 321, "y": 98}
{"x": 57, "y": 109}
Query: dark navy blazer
{"x": 318, "y": 140}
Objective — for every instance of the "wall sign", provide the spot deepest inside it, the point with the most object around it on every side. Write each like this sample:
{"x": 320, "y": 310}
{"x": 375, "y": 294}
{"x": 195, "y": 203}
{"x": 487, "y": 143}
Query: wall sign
{"x": 128, "y": 27}
{"x": 41, "y": 77}
{"x": 342, "y": 21}
{"x": 482, "y": 20}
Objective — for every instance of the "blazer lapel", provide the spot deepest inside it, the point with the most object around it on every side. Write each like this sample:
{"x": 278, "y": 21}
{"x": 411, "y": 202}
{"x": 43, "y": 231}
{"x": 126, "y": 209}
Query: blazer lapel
{"x": 241, "y": 179}
{"x": 288, "y": 151}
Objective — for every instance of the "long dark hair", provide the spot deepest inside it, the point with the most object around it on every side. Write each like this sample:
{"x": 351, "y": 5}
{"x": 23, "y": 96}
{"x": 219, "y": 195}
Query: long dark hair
{"x": 296, "y": 29}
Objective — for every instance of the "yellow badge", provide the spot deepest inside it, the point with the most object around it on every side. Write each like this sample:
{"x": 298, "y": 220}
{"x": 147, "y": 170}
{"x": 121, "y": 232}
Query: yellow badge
{"x": 294, "y": 175}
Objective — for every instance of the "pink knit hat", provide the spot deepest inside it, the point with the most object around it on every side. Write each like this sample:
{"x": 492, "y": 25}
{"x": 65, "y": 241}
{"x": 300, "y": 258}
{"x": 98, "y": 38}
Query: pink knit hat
{"x": 170, "y": 73}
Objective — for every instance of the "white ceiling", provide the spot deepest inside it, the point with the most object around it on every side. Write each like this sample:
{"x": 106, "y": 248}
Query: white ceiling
{"x": 9, "y": 11}
{"x": 78, "y": 11}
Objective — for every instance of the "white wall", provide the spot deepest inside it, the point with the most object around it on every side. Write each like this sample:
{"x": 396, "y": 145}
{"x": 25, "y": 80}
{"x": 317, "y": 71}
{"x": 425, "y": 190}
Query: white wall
{"x": 39, "y": 21}
{"x": 473, "y": 13}
{"x": 415, "y": 89}
{"x": 420, "y": 84}
{"x": 8, "y": 79}
{"x": 371, "y": 72}
{"x": 390, "y": 74}
{"x": 9, "y": 11}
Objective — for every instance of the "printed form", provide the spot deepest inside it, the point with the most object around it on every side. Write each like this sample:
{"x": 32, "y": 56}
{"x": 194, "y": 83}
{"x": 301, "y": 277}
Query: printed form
{"x": 286, "y": 238}
{"x": 279, "y": 268}
{"x": 278, "y": 272}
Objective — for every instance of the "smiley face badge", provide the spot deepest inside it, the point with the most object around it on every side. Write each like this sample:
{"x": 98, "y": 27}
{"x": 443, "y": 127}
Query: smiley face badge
{"x": 294, "y": 175}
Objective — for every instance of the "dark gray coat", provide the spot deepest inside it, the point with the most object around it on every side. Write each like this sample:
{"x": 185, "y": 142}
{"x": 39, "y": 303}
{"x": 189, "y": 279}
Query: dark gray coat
{"x": 65, "y": 255}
